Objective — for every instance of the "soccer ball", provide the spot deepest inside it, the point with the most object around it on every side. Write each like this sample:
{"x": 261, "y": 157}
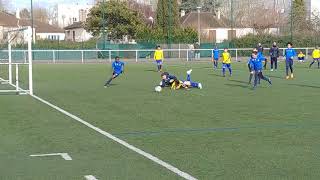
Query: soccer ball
{"x": 158, "y": 88}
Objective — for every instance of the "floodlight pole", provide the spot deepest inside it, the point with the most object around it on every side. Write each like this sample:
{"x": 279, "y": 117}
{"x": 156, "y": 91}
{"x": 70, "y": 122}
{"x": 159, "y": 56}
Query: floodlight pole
{"x": 31, "y": 14}
{"x": 104, "y": 26}
{"x": 30, "y": 37}
{"x": 291, "y": 21}
{"x": 199, "y": 30}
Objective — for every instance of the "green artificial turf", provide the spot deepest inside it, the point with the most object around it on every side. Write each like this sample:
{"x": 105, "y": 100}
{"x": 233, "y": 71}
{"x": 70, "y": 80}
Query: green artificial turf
{"x": 227, "y": 130}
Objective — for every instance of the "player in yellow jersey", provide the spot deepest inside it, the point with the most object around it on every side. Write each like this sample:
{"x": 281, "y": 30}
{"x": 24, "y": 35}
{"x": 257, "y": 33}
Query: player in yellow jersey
{"x": 316, "y": 57}
{"x": 301, "y": 56}
{"x": 158, "y": 57}
{"x": 180, "y": 84}
{"x": 226, "y": 62}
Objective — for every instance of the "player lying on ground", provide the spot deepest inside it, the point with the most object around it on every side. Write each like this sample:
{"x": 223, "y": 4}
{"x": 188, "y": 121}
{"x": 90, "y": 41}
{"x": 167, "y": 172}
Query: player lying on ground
{"x": 118, "y": 68}
{"x": 256, "y": 67}
{"x": 179, "y": 84}
{"x": 167, "y": 79}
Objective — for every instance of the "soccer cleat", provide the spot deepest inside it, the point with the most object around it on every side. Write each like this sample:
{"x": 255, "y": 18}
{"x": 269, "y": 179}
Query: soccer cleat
{"x": 291, "y": 76}
{"x": 189, "y": 72}
{"x": 271, "y": 70}
{"x": 287, "y": 77}
{"x": 269, "y": 81}
{"x": 200, "y": 86}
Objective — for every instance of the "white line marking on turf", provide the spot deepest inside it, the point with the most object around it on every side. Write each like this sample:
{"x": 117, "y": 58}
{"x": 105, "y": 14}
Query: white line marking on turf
{"x": 65, "y": 156}
{"x": 90, "y": 177}
{"x": 120, "y": 141}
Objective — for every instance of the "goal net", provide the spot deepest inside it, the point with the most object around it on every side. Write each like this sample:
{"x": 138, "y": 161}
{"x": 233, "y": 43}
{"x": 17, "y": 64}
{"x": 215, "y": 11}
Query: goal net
{"x": 16, "y": 62}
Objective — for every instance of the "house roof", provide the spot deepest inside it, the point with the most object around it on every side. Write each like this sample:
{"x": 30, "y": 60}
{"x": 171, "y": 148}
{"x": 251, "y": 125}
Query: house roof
{"x": 9, "y": 20}
{"x": 207, "y": 20}
{"x": 75, "y": 25}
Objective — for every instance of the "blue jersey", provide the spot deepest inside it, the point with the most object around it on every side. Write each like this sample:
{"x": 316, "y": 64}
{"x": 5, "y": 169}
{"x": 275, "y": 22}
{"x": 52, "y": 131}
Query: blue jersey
{"x": 261, "y": 56}
{"x": 215, "y": 53}
{"x": 117, "y": 66}
{"x": 256, "y": 64}
{"x": 290, "y": 54}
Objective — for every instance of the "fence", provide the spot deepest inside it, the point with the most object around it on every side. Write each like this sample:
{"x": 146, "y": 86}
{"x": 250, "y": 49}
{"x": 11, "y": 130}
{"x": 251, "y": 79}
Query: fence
{"x": 96, "y": 55}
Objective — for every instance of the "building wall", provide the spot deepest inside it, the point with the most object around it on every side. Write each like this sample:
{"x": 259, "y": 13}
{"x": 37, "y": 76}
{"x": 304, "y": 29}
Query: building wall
{"x": 67, "y": 14}
{"x": 80, "y": 35}
{"x": 51, "y": 36}
{"x": 222, "y": 33}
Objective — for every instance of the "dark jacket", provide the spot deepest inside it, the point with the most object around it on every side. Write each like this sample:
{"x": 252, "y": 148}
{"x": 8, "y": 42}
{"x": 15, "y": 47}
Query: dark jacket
{"x": 260, "y": 49}
{"x": 274, "y": 52}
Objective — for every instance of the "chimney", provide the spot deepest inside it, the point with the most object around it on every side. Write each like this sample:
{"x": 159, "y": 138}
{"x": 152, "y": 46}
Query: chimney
{"x": 183, "y": 13}
{"x": 18, "y": 13}
{"x": 219, "y": 14}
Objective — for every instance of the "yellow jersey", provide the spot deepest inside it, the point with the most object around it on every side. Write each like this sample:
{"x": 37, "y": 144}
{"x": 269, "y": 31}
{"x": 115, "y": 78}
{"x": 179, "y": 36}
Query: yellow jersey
{"x": 316, "y": 54}
{"x": 226, "y": 58}
{"x": 158, "y": 55}
{"x": 301, "y": 55}
{"x": 176, "y": 85}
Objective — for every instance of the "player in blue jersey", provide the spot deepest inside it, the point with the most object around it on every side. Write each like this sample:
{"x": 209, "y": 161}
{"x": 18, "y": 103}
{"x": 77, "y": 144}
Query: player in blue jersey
{"x": 118, "y": 68}
{"x": 185, "y": 84}
{"x": 215, "y": 57}
{"x": 256, "y": 65}
{"x": 167, "y": 79}
{"x": 290, "y": 53}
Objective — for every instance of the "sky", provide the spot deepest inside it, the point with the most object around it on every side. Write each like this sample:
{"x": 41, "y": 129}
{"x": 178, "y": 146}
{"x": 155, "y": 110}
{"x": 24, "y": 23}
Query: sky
{"x": 44, "y": 3}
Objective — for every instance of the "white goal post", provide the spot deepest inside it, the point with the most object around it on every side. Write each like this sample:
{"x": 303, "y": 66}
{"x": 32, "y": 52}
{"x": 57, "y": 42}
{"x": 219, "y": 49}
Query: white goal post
{"x": 27, "y": 36}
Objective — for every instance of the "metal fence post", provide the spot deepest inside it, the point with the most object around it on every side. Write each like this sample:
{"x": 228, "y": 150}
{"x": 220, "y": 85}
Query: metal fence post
{"x": 136, "y": 55}
{"x": 179, "y": 50}
{"x": 82, "y": 59}
{"x": 307, "y": 51}
{"x": 53, "y": 56}
{"x": 236, "y": 54}
{"x": 187, "y": 54}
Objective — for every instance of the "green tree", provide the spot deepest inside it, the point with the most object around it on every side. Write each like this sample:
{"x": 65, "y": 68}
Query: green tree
{"x": 167, "y": 16}
{"x": 206, "y": 5}
{"x": 119, "y": 19}
{"x": 189, "y": 5}
{"x": 299, "y": 16}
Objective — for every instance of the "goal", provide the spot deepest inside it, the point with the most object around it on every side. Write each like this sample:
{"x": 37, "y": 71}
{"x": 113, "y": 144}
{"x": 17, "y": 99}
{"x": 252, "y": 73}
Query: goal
{"x": 16, "y": 62}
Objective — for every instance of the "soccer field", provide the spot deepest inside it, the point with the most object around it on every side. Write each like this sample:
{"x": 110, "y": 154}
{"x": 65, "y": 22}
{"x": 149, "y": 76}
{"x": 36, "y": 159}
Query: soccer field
{"x": 227, "y": 130}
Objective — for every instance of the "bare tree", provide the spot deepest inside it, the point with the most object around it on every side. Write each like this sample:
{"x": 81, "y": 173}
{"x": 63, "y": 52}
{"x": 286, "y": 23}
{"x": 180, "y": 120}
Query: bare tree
{"x": 25, "y": 14}
{"x": 40, "y": 14}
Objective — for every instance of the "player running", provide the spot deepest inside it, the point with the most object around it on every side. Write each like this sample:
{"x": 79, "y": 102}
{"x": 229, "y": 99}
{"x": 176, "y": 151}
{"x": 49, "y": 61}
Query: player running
{"x": 158, "y": 57}
{"x": 316, "y": 57}
{"x": 180, "y": 84}
{"x": 118, "y": 68}
{"x": 290, "y": 53}
{"x": 256, "y": 65}
{"x": 215, "y": 57}
{"x": 226, "y": 60}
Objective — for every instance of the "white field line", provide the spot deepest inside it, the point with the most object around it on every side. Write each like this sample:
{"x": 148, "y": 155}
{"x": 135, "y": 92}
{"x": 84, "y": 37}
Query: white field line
{"x": 120, "y": 141}
{"x": 65, "y": 156}
{"x": 90, "y": 177}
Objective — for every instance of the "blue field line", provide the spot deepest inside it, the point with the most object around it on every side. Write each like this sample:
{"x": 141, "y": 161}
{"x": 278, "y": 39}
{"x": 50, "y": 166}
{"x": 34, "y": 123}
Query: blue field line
{"x": 204, "y": 130}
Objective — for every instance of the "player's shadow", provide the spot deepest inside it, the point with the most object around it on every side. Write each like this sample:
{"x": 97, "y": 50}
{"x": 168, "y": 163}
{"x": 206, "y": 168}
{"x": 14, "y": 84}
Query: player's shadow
{"x": 242, "y": 82}
{"x": 238, "y": 85}
{"x": 217, "y": 75}
{"x": 151, "y": 70}
{"x": 277, "y": 77}
{"x": 302, "y": 85}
